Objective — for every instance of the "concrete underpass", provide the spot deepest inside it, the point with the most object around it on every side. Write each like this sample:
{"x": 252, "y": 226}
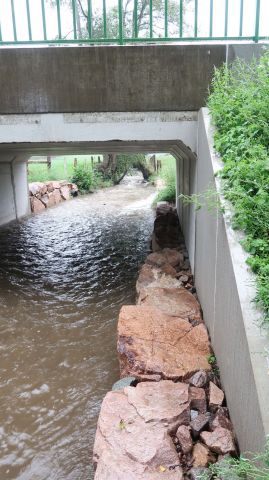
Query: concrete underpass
{"x": 66, "y": 106}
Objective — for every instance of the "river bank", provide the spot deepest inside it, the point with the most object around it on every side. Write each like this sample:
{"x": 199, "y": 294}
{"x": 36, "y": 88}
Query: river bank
{"x": 167, "y": 417}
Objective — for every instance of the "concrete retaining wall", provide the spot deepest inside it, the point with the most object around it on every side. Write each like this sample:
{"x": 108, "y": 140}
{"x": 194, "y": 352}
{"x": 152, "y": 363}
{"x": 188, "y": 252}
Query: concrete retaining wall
{"x": 14, "y": 202}
{"x": 225, "y": 287}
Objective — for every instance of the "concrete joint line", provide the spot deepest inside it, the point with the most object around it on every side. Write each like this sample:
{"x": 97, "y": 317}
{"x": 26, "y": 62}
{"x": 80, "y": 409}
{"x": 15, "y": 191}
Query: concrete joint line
{"x": 13, "y": 186}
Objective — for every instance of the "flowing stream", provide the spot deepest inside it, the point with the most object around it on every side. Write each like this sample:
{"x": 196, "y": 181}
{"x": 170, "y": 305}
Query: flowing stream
{"x": 64, "y": 275}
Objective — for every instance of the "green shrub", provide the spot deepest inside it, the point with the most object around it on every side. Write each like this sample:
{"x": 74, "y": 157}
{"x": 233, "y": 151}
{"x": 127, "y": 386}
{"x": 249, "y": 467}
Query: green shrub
{"x": 168, "y": 192}
{"x": 239, "y": 107}
{"x": 83, "y": 177}
{"x": 252, "y": 467}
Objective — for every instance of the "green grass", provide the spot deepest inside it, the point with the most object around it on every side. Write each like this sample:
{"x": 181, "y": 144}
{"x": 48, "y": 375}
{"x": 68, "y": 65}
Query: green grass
{"x": 41, "y": 173}
{"x": 240, "y": 110}
{"x": 168, "y": 175}
{"x": 250, "y": 467}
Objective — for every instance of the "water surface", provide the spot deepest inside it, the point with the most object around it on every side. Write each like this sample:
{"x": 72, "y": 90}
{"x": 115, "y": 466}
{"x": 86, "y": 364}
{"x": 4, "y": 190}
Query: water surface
{"x": 64, "y": 275}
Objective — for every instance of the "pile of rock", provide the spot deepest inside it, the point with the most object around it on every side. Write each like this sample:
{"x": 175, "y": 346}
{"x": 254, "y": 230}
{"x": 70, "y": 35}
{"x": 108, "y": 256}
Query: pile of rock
{"x": 167, "y": 417}
{"x": 48, "y": 194}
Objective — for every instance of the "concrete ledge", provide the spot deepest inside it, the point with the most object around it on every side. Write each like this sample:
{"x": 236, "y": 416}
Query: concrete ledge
{"x": 107, "y": 78}
{"x": 226, "y": 288}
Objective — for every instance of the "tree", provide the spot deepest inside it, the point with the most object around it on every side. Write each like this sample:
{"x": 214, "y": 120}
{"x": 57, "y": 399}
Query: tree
{"x": 132, "y": 24}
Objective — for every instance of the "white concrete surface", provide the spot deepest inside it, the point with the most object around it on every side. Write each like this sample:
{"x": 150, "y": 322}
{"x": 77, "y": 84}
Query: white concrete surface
{"x": 226, "y": 289}
{"x": 14, "y": 199}
{"x": 102, "y": 127}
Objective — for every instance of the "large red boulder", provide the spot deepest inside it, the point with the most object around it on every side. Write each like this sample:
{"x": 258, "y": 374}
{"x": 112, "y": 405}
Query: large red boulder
{"x": 36, "y": 205}
{"x": 152, "y": 342}
{"x": 133, "y": 433}
{"x": 172, "y": 301}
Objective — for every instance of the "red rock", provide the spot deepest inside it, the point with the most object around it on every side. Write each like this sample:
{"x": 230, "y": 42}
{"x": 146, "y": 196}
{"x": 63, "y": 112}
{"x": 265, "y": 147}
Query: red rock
{"x": 167, "y": 255}
{"x": 216, "y": 396}
{"x": 37, "y": 188}
{"x": 50, "y": 186}
{"x": 36, "y": 205}
{"x": 184, "y": 438}
{"x": 65, "y": 192}
{"x": 151, "y": 342}
{"x": 45, "y": 199}
{"x": 219, "y": 441}
{"x": 132, "y": 439}
{"x": 172, "y": 301}
{"x": 54, "y": 198}
{"x": 199, "y": 423}
{"x": 221, "y": 419}
{"x": 202, "y": 456}
{"x": 199, "y": 379}
{"x": 56, "y": 184}
{"x": 148, "y": 378}
{"x": 164, "y": 275}
{"x": 198, "y": 399}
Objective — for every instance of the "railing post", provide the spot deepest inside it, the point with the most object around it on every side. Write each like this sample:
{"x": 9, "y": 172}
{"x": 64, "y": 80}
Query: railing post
{"x": 104, "y": 19}
{"x": 59, "y": 18}
{"x": 166, "y": 18}
{"x": 44, "y": 19}
{"x": 29, "y": 20}
{"x": 196, "y": 18}
{"x": 241, "y": 18}
{"x": 90, "y": 18}
{"x": 120, "y": 16}
{"x": 211, "y": 18}
{"x": 14, "y": 21}
{"x": 257, "y": 23}
{"x": 74, "y": 18}
{"x": 135, "y": 25}
{"x": 181, "y": 18}
{"x": 150, "y": 19}
{"x": 226, "y": 18}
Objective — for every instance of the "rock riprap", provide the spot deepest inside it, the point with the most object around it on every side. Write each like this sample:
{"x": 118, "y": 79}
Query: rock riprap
{"x": 171, "y": 422}
{"x": 48, "y": 194}
{"x": 133, "y": 433}
{"x": 152, "y": 342}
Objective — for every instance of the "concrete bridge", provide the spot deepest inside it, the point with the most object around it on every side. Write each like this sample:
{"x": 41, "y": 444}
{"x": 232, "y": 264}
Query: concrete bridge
{"x": 143, "y": 99}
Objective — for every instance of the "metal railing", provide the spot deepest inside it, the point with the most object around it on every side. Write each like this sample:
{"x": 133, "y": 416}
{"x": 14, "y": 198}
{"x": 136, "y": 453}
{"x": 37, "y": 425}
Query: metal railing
{"x": 128, "y": 21}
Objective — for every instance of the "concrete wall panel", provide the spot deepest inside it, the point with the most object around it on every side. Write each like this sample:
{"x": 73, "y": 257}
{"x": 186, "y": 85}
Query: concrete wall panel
{"x": 226, "y": 289}
{"x": 106, "y": 78}
{"x": 7, "y": 205}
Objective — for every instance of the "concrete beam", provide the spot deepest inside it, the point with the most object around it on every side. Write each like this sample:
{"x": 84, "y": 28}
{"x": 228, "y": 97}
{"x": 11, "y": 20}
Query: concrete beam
{"x": 107, "y": 78}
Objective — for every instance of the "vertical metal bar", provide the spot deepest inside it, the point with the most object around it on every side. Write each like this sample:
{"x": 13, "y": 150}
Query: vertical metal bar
{"x": 44, "y": 19}
{"x": 226, "y": 18}
{"x": 104, "y": 19}
{"x": 196, "y": 18}
{"x": 13, "y": 21}
{"x": 90, "y": 18}
{"x": 257, "y": 23}
{"x": 120, "y": 16}
{"x": 74, "y": 10}
{"x": 59, "y": 18}
{"x": 0, "y": 33}
{"x": 29, "y": 19}
{"x": 166, "y": 18}
{"x": 211, "y": 18}
{"x": 150, "y": 19}
{"x": 181, "y": 18}
{"x": 241, "y": 18}
{"x": 135, "y": 20}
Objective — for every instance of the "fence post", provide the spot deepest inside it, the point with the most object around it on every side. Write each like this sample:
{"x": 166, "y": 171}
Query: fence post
{"x": 120, "y": 16}
{"x": 49, "y": 162}
{"x": 75, "y": 162}
{"x": 257, "y": 24}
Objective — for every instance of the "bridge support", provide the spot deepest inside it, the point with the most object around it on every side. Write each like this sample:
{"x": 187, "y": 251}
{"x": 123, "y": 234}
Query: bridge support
{"x": 14, "y": 201}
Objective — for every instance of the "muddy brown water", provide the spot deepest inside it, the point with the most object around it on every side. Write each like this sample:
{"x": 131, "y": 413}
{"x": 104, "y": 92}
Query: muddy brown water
{"x": 64, "y": 275}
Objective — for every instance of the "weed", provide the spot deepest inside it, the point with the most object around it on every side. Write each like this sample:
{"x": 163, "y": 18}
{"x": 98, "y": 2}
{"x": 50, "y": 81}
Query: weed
{"x": 239, "y": 107}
